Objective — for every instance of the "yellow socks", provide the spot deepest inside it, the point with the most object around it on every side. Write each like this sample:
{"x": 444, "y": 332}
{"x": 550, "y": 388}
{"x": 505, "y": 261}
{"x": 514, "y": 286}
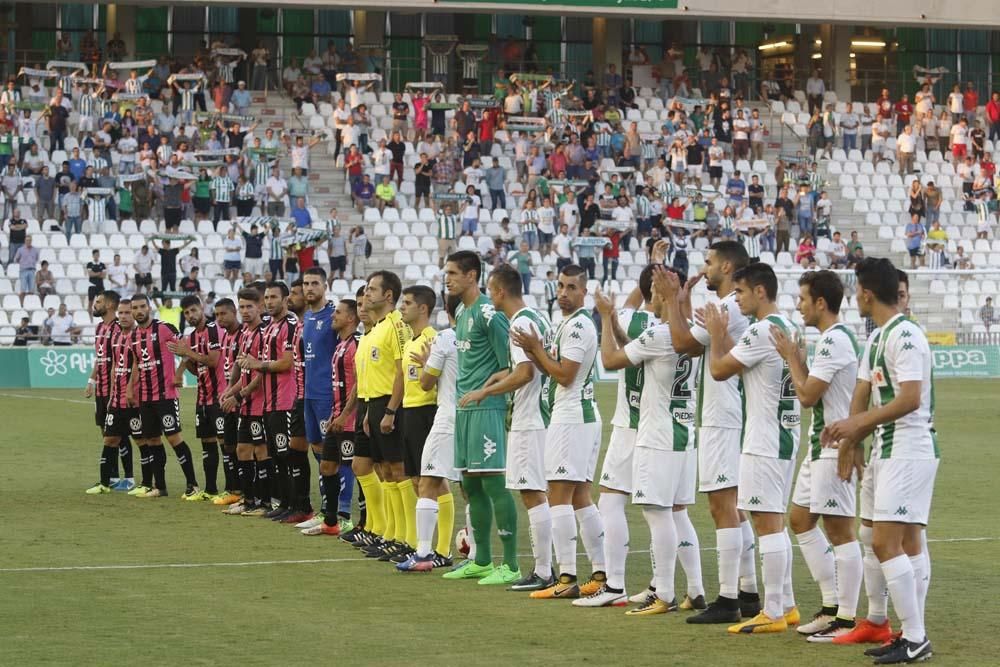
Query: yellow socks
{"x": 409, "y": 499}
{"x": 446, "y": 523}
{"x": 374, "y": 503}
{"x": 388, "y": 488}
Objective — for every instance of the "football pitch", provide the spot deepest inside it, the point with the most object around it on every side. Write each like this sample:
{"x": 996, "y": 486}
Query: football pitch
{"x": 114, "y": 579}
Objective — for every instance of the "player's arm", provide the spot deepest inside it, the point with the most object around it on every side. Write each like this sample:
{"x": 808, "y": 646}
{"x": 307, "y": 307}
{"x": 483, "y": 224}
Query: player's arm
{"x": 501, "y": 382}
{"x": 130, "y": 387}
{"x": 616, "y": 329}
{"x": 613, "y": 339}
{"x": 676, "y": 300}
{"x": 857, "y": 427}
{"x": 562, "y": 371}
{"x": 281, "y": 365}
{"x": 809, "y": 388}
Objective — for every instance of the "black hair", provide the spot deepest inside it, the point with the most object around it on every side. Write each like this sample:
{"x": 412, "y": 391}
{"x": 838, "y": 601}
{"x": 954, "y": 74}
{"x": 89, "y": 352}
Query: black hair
{"x": 507, "y": 277}
{"x": 112, "y": 296}
{"x": 732, "y": 252}
{"x": 190, "y": 300}
{"x": 758, "y": 274}
{"x": 824, "y": 285}
{"x": 315, "y": 271}
{"x": 467, "y": 260}
{"x": 298, "y": 282}
{"x": 451, "y": 304}
{"x": 880, "y": 277}
{"x": 903, "y": 278}
{"x": 646, "y": 282}
{"x": 572, "y": 270}
{"x": 360, "y": 292}
{"x": 390, "y": 283}
{"x": 352, "y": 306}
{"x": 225, "y": 303}
{"x": 249, "y": 294}
{"x": 140, "y": 297}
{"x": 423, "y": 295}
{"x": 278, "y": 285}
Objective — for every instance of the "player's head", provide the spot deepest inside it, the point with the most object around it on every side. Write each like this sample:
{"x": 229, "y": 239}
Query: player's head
{"x": 418, "y": 304}
{"x": 296, "y": 297}
{"x": 276, "y": 299}
{"x": 451, "y": 307}
{"x": 383, "y": 291}
{"x": 314, "y": 287}
{"x": 755, "y": 285}
{"x": 571, "y": 288}
{"x": 106, "y": 302}
{"x": 646, "y": 283}
{"x": 125, "y": 320}
{"x": 140, "y": 309}
{"x": 225, "y": 314}
{"x": 819, "y": 292}
{"x": 723, "y": 259}
{"x": 461, "y": 272}
{"x": 504, "y": 285}
{"x": 903, "y": 293}
{"x": 194, "y": 312}
{"x": 655, "y": 299}
{"x": 250, "y": 305}
{"x": 345, "y": 316}
{"x": 359, "y": 296}
{"x": 878, "y": 282}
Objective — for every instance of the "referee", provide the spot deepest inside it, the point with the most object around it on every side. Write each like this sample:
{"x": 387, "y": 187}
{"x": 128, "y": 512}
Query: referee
{"x": 380, "y": 389}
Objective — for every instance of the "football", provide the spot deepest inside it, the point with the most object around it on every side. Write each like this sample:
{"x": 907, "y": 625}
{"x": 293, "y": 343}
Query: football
{"x": 462, "y": 542}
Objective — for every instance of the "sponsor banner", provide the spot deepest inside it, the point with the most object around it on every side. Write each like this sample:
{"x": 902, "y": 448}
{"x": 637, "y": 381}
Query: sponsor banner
{"x": 966, "y": 361}
{"x": 60, "y": 366}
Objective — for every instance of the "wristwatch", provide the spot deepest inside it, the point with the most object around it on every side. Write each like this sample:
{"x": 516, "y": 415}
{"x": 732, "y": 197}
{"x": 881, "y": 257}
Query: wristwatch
{"x": 390, "y": 412}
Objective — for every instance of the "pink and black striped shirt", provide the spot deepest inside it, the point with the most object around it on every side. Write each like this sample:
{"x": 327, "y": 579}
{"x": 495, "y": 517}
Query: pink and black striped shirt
{"x": 211, "y": 381}
{"x": 251, "y": 343}
{"x": 279, "y": 388}
{"x": 155, "y": 362}
{"x": 121, "y": 373}
{"x": 103, "y": 357}
{"x": 344, "y": 377}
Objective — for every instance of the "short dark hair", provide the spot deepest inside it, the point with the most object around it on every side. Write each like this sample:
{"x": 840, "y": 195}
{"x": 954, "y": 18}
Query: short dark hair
{"x": 824, "y": 285}
{"x": 507, "y": 277}
{"x": 315, "y": 271}
{"x": 279, "y": 285}
{"x": 646, "y": 282}
{"x": 352, "y": 306}
{"x": 758, "y": 274}
{"x": 732, "y": 252}
{"x": 390, "y": 283}
{"x": 259, "y": 285}
{"x": 249, "y": 294}
{"x": 467, "y": 260}
{"x": 360, "y": 292}
{"x": 451, "y": 304}
{"x": 225, "y": 303}
{"x": 298, "y": 282}
{"x": 903, "y": 278}
{"x": 572, "y": 270}
{"x": 190, "y": 300}
{"x": 880, "y": 277}
{"x": 423, "y": 295}
{"x": 112, "y": 296}
{"x": 140, "y": 297}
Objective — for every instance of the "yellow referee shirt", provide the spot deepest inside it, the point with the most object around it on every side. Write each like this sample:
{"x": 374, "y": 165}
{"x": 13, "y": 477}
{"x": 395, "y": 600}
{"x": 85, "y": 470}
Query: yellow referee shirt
{"x": 414, "y": 395}
{"x": 377, "y": 355}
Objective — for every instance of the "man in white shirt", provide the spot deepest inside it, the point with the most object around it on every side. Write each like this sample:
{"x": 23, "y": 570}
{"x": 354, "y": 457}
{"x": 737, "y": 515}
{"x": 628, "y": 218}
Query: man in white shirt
{"x": 546, "y": 226}
{"x": 276, "y": 188}
{"x": 62, "y": 327}
{"x": 118, "y": 276}
{"x": 906, "y": 148}
{"x": 849, "y": 124}
{"x": 562, "y": 247}
{"x": 815, "y": 89}
{"x": 381, "y": 157}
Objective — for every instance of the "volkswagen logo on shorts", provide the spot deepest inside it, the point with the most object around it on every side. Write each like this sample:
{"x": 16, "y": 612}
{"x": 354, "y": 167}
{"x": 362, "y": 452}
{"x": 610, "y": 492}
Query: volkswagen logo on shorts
{"x": 168, "y": 421}
{"x": 135, "y": 424}
{"x": 281, "y": 442}
{"x": 324, "y": 425}
{"x": 220, "y": 424}
{"x": 347, "y": 449}
{"x": 255, "y": 428}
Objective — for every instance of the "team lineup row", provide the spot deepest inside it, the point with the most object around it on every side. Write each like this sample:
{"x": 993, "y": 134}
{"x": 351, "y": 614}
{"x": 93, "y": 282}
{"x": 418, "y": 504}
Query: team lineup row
{"x": 505, "y": 402}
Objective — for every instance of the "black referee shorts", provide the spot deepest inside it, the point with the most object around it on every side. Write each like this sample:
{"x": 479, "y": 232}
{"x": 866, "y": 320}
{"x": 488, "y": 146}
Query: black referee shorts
{"x": 338, "y": 446}
{"x": 362, "y": 443}
{"x": 385, "y": 447}
{"x": 277, "y": 425}
{"x": 416, "y": 423}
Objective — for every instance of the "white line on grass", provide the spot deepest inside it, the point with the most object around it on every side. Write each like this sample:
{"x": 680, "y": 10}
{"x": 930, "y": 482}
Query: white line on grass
{"x": 314, "y": 561}
{"x": 31, "y": 397}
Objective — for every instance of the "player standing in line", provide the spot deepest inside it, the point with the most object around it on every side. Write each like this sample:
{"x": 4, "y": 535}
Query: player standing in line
{"x": 573, "y": 438}
{"x": 99, "y": 385}
{"x": 526, "y": 442}
{"x": 201, "y": 354}
{"x": 419, "y": 408}
{"x": 436, "y": 505}
{"x": 244, "y": 392}
{"x": 481, "y": 335}
{"x": 380, "y": 382}
{"x": 826, "y": 386}
{"x": 767, "y": 461}
{"x": 117, "y": 423}
{"x": 228, "y": 322}
{"x": 720, "y": 425}
{"x": 362, "y": 533}
{"x": 296, "y": 423}
{"x": 152, "y": 390}
{"x": 664, "y": 460}
{"x": 905, "y": 457}
{"x": 338, "y": 442}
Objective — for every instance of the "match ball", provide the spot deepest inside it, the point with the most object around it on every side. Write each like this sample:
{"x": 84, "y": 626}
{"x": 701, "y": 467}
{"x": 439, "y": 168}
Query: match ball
{"x": 462, "y": 542}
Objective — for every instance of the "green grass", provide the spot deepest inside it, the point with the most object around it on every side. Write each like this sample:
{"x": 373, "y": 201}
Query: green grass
{"x": 359, "y": 612}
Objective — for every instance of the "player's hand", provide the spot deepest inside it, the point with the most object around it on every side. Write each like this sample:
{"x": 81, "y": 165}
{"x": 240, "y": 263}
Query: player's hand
{"x": 365, "y": 426}
{"x": 666, "y": 282}
{"x": 526, "y": 340}
{"x": 846, "y": 460}
{"x": 89, "y": 391}
{"x": 249, "y": 363}
{"x": 787, "y": 347}
{"x": 716, "y": 320}
{"x": 178, "y": 380}
{"x": 387, "y": 424}
{"x": 685, "y": 292}
{"x": 179, "y": 347}
{"x": 475, "y": 396}
{"x": 228, "y": 403}
{"x": 658, "y": 254}
{"x": 130, "y": 399}
{"x": 336, "y": 424}
{"x": 848, "y": 430}
{"x": 605, "y": 305}
{"x": 419, "y": 357}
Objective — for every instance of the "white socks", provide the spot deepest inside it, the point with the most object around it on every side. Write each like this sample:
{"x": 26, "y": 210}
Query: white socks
{"x": 688, "y": 553}
{"x": 921, "y": 580}
{"x": 427, "y": 512}
{"x": 849, "y": 567}
{"x": 729, "y": 542}
{"x": 540, "y": 530}
{"x": 469, "y": 536}
{"x": 899, "y": 577}
{"x": 612, "y": 509}
{"x": 774, "y": 561}
{"x": 875, "y": 587}
{"x": 564, "y": 538}
{"x": 822, "y": 566}
{"x": 788, "y": 592}
{"x": 748, "y": 563}
{"x": 592, "y": 534}
{"x": 663, "y": 535}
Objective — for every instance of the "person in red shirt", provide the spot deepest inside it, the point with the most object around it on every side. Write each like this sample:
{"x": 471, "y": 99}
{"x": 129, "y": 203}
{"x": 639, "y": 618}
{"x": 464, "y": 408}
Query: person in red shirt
{"x": 675, "y": 211}
{"x": 884, "y": 105}
{"x": 987, "y": 168}
{"x": 487, "y": 129}
{"x": 903, "y": 110}
{"x": 152, "y": 390}
{"x": 354, "y": 164}
{"x": 970, "y": 102}
{"x": 610, "y": 254}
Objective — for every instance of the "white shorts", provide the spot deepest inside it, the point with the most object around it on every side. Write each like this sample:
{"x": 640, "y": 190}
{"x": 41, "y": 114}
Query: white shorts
{"x": 526, "y": 460}
{"x": 820, "y": 489}
{"x": 571, "y": 452}
{"x": 657, "y": 474}
{"x": 718, "y": 458}
{"x": 903, "y": 489}
{"x": 687, "y": 486}
{"x": 765, "y": 484}
{"x": 87, "y": 124}
{"x": 867, "y": 490}
{"x": 616, "y": 472}
{"x": 694, "y": 170}
{"x": 438, "y": 458}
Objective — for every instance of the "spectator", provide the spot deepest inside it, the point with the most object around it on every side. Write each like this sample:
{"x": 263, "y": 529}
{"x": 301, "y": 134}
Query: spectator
{"x": 385, "y": 193}
{"x": 61, "y": 327}
{"x": 805, "y": 256}
{"x": 337, "y": 249}
{"x": 470, "y": 211}
{"x": 610, "y": 254}
{"x": 277, "y": 188}
{"x": 521, "y": 260}
{"x": 815, "y": 89}
{"x": 937, "y": 241}
{"x": 993, "y": 116}
{"x": 232, "y": 255}
{"x": 298, "y": 185}
{"x": 169, "y": 313}
{"x": 915, "y": 234}
{"x": 849, "y": 124}
{"x": 301, "y": 215}
{"x": 855, "y": 250}
{"x": 168, "y": 263}
{"x": 45, "y": 196}
{"x": 27, "y": 261}
{"x": 805, "y": 210}
{"x": 495, "y": 179}
{"x": 276, "y": 258}
{"x": 118, "y": 276}
{"x": 364, "y": 193}
{"x": 189, "y": 261}
{"x": 45, "y": 282}
{"x": 970, "y": 102}
{"x": 906, "y": 149}
{"x": 838, "y": 252}
{"x": 562, "y": 247}
{"x": 986, "y": 314}
{"x": 23, "y": 333}
{"x": 11, "y": 185}
{"x": 143, "y": 266}
{"x": 961, "y": 261}
{"x": 18, "y": 231}
{"x": 190, "y": 284}
{"x": 447, "y": 226}
{"x": 585, "y": 255}
{"x": 253, "y": 252}
{"x": 824, "y": 210}
{"x": 359, "y": 253}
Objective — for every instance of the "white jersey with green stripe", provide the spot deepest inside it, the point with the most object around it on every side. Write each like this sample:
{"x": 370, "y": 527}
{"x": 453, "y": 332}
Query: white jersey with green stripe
{"x": 835, "y": 362}
{"x": 720, "y": 404}
{"x": 772, "y": 406}
{"x": 896, "y": 353}
{"x": 531, "y": 402}
{"x": 576, "y": 340}
{"x": 630, "y": 380}
{"x": 669, "y": 383}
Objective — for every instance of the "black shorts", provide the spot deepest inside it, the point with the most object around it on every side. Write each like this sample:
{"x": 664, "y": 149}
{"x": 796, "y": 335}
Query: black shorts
{"x": 386, "y": 447}
{"x": 421, "y": 189}
{"x": 715, "y": 172}
{"x": 143, "y": 279}
{"x": 297, "y": 422}
{"x": 338, "y": 446}
{"x": 230, "y": 427}
{"x": 100, "y": 410}
{"x": 276, "y": 427}
{"x": 159, "y": 418}
{"x": 338, "y": 263}
{"x": 118, "y": 422}
{"x": 202, "y": 204}
{"x": 208, "y": 422}
{"x": 416, "y": 423}
{"x": 250, "y": 430}
{"x": 362, "y": 443}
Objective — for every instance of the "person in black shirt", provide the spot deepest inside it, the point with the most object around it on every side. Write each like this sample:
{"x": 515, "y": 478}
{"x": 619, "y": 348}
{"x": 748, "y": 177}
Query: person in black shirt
{"x": 465, "y": 120}
{"x": 88, "y": 180}
{"x": 589, "y": 213}
{"x": 96, "y": 273}
{"x": 168, "y": 264}
{"x": 253, "y": 254}
{"x": 755, "y": 194}
{"x": 398, "y": 149}
{"x": 58, "y": 118}
{"x": 23, "y": 333}
{"x": 190, "y": 282}
{"x": 422, "y": 181}
{"x": 782, "y": 201}
{"x": 235, "y": 135}
{"x": 695, "y": 157}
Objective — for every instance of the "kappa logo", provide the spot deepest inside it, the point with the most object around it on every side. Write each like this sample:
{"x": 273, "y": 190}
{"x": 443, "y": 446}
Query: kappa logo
{"x": 429, "y": 467}
{"x": 561, "y": 470}
{"x": 905, "y": 334}
{"x": 745, "y": 340}
{"x": 220, "y": 424}
{"x": 908, "y": 345}
{"x": 754, "y": 500}
{"x": 522, "y": 480}
{"x": 828, "y": 341}
{"x": 135, "y": 424}
{"x": 256, "y": 428}
{"x": 825, "y": 353}
{"x": 575, "y": 335}
{"x": 640, "y": 494}
{"x": 901, "y": 511}
{"x": 605, "y": 477}
{"x": 685, "y": 543}
{"x": 489, "y": 447}
{"x": 831, "y": 504}
{"x": 721, "y": 479}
